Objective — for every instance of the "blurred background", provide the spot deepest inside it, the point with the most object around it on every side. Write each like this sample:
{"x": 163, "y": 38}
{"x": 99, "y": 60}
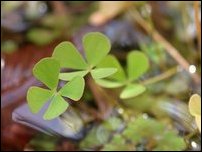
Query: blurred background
{"x": 169, "y": 33}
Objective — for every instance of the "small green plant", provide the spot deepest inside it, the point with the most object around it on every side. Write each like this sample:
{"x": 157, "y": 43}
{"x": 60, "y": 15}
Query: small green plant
{"x": 137, "y": 65}
{"x": 140, "y": 134}
{"x": 65, "y": 55}
{"x": 148, "y": 132}
{"x": 154, "y": 131}
{"x": 100, "y": 134}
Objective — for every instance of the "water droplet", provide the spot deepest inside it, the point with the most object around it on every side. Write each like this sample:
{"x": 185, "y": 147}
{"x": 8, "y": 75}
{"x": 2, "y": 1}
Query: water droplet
{"x": 194, "y": 144}
{"x": 145, "y": 116}
{"x": 192, "y": 68}
{"x": 120, "y": 110}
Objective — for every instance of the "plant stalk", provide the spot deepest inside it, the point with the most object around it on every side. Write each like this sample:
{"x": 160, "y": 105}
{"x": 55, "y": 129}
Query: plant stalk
{"x": 160, "y": 77}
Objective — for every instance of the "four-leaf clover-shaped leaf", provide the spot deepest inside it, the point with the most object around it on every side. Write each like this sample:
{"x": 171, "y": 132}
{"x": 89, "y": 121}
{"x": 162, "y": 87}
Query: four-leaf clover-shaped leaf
{"x": 195, "y": 109}
{"x": 47, "y": 71}
{"x": 137, "y": 65}
{"x": 96, "y": 47}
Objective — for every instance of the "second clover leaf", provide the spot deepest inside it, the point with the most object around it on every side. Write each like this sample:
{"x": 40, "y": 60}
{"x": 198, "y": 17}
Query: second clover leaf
{"x": 137, "y": 65}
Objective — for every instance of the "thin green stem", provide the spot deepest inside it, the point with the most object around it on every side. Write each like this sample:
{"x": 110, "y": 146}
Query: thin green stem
{"x": 160, "y": 77}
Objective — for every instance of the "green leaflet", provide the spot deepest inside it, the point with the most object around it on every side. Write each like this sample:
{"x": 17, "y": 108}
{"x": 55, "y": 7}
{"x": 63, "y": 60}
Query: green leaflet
{"x": 195, "y": 109}
{"x": 70, "y": 75}
{"x": 96, "y": 47}
{"x": 137, "y": 64}
{"x": 47, "y": 71}
{"x": 74, "y": 89}
{"x": 132, "y": 90}
{"x": 99, "y": 73}
{"x": 68, "y": 56}
{"x": 37, "y": 97}
{"x": 111, "y": 61}
{"x": 195, "y": 105}
{"x": 57, "y": 106}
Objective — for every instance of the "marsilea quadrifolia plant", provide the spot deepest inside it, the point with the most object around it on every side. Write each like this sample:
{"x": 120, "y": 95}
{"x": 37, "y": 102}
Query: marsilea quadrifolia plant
{"x": 96, "y": 63}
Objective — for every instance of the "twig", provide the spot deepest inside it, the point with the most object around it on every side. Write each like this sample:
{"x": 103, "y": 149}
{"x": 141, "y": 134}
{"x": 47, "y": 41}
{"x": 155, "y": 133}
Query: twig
{"x": 168, "y": 47}
{"x": 198, "y": 24}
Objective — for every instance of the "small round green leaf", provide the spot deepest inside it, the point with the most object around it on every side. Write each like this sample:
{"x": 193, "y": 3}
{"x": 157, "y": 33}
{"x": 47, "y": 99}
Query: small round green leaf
{"x": 73, "y": 89}
{"x": 47, "y": 71}
{"x": 99, "y": 73}
{"x": 132, "y": 90}
{"x": 137, "y": 64}
{"x": 70, "y": 75}
{"x": 57, "y": 106}
{"x": 69, "y": 56}
{"x": 111, "y": 61}
{"x": 195, "y": 105}
{"x": 96, "y": 47}
{"x": 37, "y": 97}
{"x": 108, "y": 83}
